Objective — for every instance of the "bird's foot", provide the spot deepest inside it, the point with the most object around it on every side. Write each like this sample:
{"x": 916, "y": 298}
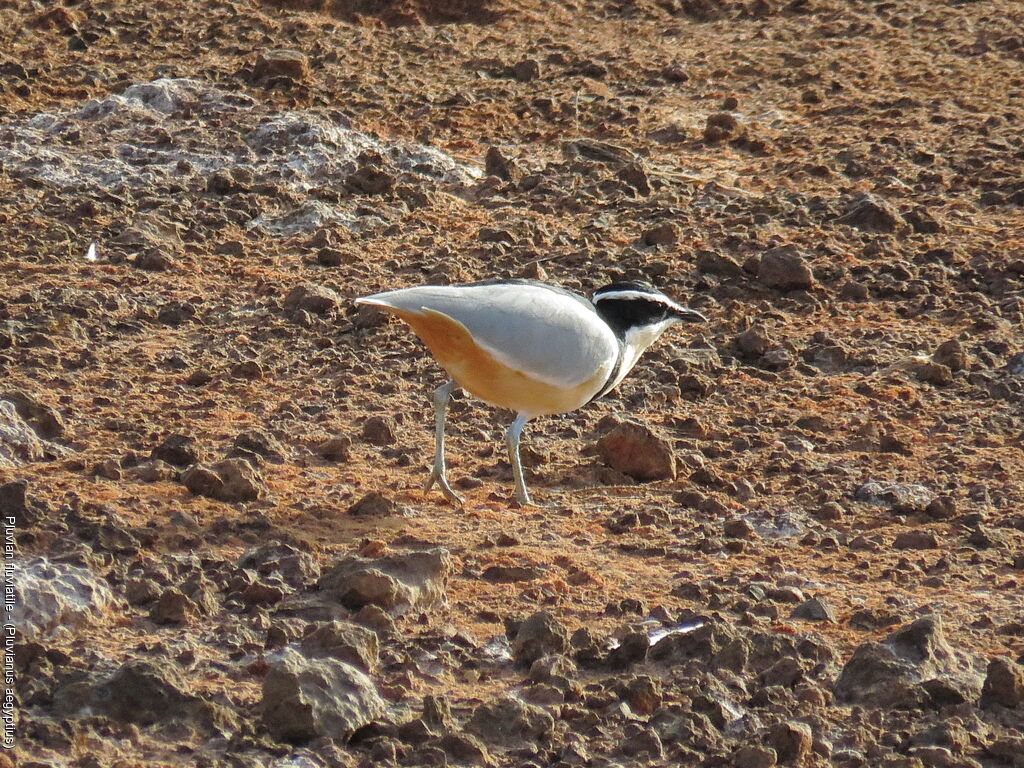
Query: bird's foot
{"x": 522, "y": 499}
{"x": 437, "y": 476}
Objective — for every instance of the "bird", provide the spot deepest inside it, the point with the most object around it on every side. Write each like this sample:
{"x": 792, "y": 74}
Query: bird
{"x": 529, "y": 346}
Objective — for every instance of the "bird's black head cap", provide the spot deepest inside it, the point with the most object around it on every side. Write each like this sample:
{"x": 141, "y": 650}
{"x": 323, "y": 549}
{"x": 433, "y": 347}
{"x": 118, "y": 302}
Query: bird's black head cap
{"x": 633, "y": 303}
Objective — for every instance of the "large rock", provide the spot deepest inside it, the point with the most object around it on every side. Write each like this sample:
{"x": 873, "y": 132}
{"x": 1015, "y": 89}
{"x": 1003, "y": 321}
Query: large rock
{"x": 18, "y": 441}
{"x": 179, "y": 450}
{"x": 870, "y": 214}
{"x": 260, "y": 443}
{"x": 510, "y": 722}
{"x": 293, "y": 565}
{"x": 305, "y": 698}
{"x": 344, "y": 641}
{"x": 540, "y": 635}
{"x": 901, "y": 671}
{"x": 1004, "y": 683}
{"x": 634, "y": 449}
{"x": 242, "y": 482}
{"x": 143, "y": 694}
{"x": 14, "y": 502}
{"x": 46, "y": 421}
{"x": 902, "y": 498}
{"x": 706, "y": 641}
{"x": 228, "y": 480}
{"x": 52, "y": 594}
{"x": 397, "y": 583}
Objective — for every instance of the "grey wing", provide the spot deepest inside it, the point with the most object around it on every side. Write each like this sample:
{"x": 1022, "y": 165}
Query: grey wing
{"x": 548, "y": 334}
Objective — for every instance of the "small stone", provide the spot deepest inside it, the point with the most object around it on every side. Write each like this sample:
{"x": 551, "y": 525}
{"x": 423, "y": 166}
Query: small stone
{"x": 1004, "y": 683}
{"x": 173, "y": 607}
{"x": 785, "y": 268}
{"x": 109, "y": 469}
{"x": 368, "y": 180}
{"x": 635, "y": 450}
{"x": 540, "y": 635}
{"x": 738, "y": 528}
{"x": 375, "y": 618}
{"x": 259, "y": 593}
{"x": 511, "y": 574}
{"x": 754, "y": 756}
{"x": 526, "y": 70}
{"x": 337, "y": 448}
{"x": 666, "y": 233}
{"x": 916, "y": 539}
{"x": 380, "y": 430}
{"x": 754, "y": 341}
{"x": 713, "y": 263}
{"x": 815, "y": 609}
{"x": 317, "y": 299}
{"x": 636, "y": 177}
{"x": 951, "y": 354}
{"x": 288, "y": 64}
{"x": 375, "y": 504}
{"x": 152, "y": 472}
{"x": 792, "y": 741}
{"x": 179, "y": 450}
{"x": 154, "y": 260}
{"x": 176, "y": 313}
{"x": 870, "y": 214}
{"x": 496, "y": 163}
{"x": 202, "y": 481}
{"x": 721, "y": 126}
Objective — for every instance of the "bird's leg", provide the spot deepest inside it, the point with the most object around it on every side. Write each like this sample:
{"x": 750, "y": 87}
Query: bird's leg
{"x": 512, "y": 438}
{"x": 437, "y": 474}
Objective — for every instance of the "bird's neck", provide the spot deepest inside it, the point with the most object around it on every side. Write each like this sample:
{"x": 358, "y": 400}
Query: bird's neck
{"x": 634, "y": 341}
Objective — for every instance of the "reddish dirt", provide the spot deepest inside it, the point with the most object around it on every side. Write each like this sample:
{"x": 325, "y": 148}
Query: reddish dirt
{"x": 916, "y": 104}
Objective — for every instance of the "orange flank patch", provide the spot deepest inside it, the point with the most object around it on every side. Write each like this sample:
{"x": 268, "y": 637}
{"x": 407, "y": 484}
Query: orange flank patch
{"x": 479, "y": 373}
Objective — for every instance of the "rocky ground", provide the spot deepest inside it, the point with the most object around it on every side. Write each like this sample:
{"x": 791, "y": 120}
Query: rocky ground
{"x": 795, "y": 536}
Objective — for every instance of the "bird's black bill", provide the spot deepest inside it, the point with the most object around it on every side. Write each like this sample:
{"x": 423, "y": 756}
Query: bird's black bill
{"x": 689, "y": 315}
